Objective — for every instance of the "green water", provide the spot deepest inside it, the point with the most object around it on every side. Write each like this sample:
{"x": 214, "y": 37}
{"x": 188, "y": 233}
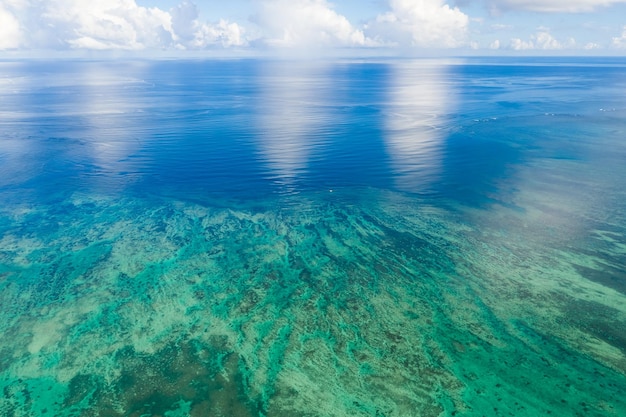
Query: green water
{"x": 367, "y": 305}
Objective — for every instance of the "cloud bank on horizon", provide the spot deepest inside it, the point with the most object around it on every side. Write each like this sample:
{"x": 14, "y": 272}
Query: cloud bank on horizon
{"x": 574, "y": 26}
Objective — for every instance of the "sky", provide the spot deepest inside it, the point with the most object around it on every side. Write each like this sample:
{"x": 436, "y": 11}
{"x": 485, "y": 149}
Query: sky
{"x": 313, "y": 27}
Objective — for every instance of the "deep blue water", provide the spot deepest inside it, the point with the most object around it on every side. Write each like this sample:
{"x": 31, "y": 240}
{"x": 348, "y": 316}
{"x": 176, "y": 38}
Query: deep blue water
{"x": 356, "y": 237}
{"x": 252, "y": 128}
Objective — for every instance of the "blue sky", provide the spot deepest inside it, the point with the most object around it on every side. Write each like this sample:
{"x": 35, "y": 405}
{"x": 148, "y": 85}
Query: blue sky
{"x": 314, "y": 27}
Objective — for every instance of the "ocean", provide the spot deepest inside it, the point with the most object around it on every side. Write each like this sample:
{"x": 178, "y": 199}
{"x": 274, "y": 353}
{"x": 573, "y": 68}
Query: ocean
{"x": 249, "y": 237}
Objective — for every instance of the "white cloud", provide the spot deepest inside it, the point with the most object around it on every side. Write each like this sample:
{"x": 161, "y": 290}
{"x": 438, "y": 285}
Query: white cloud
{"x": 620, "y": 41}
{"x": 185, "y": 21}
{"x": 106, "y": 24}
{"x": 542, "y": 40}
{"x": 554, "y": 6}
{"x": 190, "y": 32}
{"x": 110, "y": 25}
{"x": 224, "y": 33}
{"x": 308, "y": 23}
{"x": 422, "y": 23}
{"x": 520, "y": 45}
{"x": 10, "y": 36}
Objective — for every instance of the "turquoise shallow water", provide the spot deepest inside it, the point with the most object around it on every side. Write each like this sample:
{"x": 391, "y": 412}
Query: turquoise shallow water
{"x": 250, "y": 238}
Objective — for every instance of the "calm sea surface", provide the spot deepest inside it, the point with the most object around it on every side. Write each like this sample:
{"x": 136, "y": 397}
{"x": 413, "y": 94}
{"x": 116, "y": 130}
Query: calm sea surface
{"x": 237, "y": 238}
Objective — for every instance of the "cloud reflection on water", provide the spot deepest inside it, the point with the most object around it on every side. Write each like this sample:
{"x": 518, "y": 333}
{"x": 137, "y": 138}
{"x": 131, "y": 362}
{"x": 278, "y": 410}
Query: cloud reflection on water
{"x": 75, "y": 122}
{"x": 114, "y": 125}
{"x": 290, "y": 117}
{"x": 419, "y": 100}
{"x": 18, "y": 155}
